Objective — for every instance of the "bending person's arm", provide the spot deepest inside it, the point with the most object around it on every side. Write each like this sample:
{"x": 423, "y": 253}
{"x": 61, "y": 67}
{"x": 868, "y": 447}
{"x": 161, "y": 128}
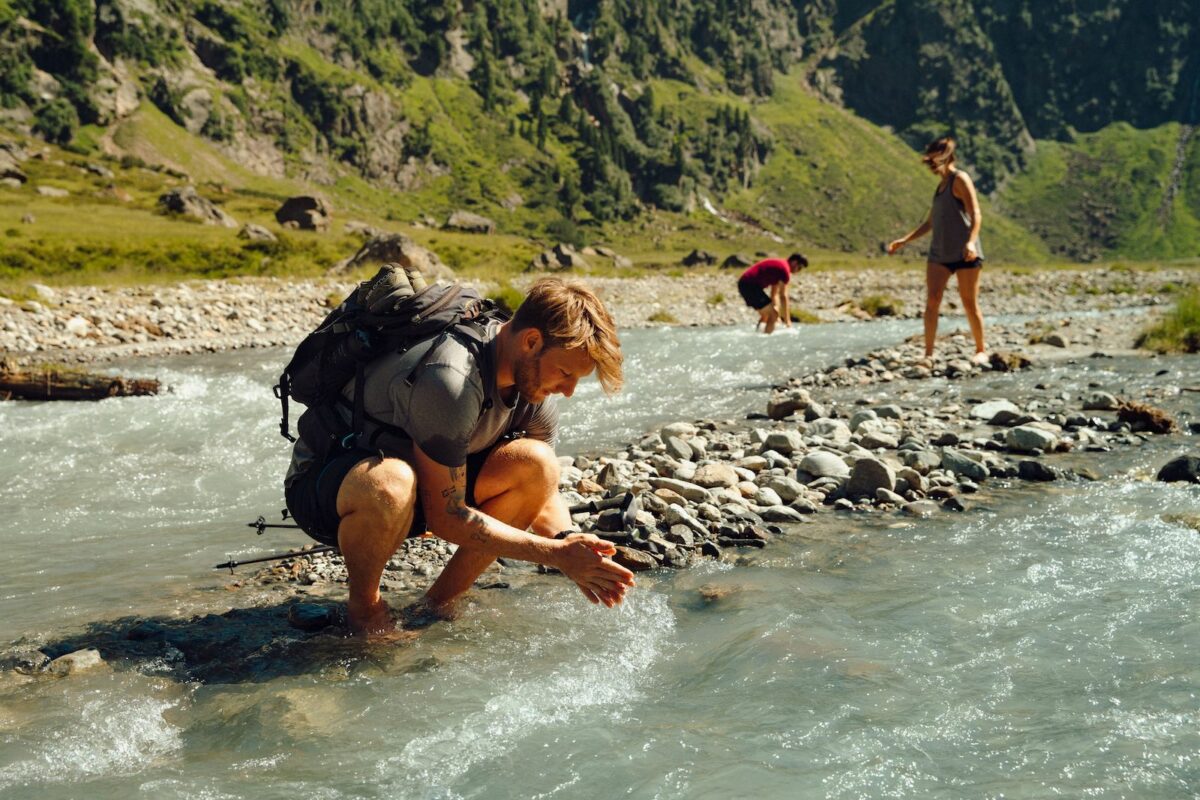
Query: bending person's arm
{"x": 915, "y": 233}
{"x": 785, "y": 313}
{"x": 964, "y": 190}
{"x": 581, "y": 557}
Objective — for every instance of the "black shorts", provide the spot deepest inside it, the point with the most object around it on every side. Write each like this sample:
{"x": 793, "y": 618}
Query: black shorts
{"x": 955, "y": 266}
{"x": 312, "y": 496}
{"x": 754, "y": 296}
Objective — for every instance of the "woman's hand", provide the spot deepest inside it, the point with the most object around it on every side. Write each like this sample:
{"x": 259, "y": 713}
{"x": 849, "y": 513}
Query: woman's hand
{"x": 895, "y": 246}
{"x": 970, "y": 251}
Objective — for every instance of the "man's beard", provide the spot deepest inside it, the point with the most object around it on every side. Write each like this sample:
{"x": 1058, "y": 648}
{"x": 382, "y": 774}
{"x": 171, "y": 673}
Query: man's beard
{"x": 528, "y": 376}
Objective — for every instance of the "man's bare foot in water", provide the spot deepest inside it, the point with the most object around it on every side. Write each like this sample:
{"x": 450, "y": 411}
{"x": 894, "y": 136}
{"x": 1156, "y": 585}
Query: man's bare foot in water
{"x": 423, "y": 613}
{"x": 373, "y": 620}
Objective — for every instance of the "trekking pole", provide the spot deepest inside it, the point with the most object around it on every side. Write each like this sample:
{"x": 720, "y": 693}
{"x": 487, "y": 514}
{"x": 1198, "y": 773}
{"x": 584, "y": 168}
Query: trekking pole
{"x": 261, "y": 524}
{"x": 229, "y": 565}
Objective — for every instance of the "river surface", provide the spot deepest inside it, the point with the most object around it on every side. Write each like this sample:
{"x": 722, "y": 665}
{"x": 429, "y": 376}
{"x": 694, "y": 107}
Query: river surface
{"x": 1044, "y": 644}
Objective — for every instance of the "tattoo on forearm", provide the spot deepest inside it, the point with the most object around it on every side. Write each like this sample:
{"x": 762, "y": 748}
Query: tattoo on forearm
{"x": 456, "y": 505}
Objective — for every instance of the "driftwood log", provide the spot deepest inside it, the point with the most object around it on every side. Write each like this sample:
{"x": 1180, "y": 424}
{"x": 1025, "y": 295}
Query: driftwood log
{"x": 50, "y": 382}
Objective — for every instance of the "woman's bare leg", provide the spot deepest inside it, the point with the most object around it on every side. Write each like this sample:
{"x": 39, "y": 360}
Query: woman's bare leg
{"x": 968, "y": 291}
{"x": 936, "y": 278}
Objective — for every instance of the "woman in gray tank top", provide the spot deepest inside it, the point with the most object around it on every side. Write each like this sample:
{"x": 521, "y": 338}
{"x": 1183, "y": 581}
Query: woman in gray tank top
{"x": 955, "y": 250}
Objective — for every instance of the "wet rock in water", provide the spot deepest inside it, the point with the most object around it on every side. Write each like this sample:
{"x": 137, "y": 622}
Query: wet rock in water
{"x": 883, "y": 495}
{"x": 712, "y": 592}
{"x": 954, "y": 461}
{"x": 634, "y": 560}
{"x": 710, "y": 550}
{"x": 953, "y": 504}
{"x": 1101, "y": 401}
{"x": 79, "y": 661}
{"x": 869, "y": 475}
{"x": 311, "y": 617}
{"x": 1030, "y": 470}
{"x": 29, "y": 662}
{"x": 1028, "y": 439}
{"x": 1185, "y": 469}
{"x": 781, "y": 513}
{"x": 921, "y": 508}
{"x": 1007, "y": 419}
{"x": 823, "y": 464}
{"x": 988, "y": 410}
{"x": 1186, "y": 520}
{"x": 1003, "y": 361}
{"x": 1145, "y": 418}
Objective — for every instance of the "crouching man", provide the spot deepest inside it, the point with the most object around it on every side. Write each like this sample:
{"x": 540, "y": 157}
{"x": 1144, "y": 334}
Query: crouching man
{"x": 462, "y": 445}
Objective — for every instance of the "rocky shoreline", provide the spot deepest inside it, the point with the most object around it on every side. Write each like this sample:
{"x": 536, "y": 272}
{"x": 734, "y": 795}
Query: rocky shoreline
{"x": 91, "y": 324}
{"x": 826, "y": 443}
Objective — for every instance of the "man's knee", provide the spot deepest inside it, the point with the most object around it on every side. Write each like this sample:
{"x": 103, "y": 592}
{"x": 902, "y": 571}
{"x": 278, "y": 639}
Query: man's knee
{"x": 528, "y": 463}
{"x": 386, "y": 487}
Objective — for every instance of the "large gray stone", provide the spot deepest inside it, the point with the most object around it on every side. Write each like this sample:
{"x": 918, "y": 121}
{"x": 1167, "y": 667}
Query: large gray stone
{"x": 985, "y": 411}
{"x": 678, "y": 448}
{"x": 787, "y": 488}
{"x": 785, "y": 442}
{"x": 1101, "y": 401}
{"x": 186, "y": 201}
{"x": 688, "y": 491}
{"x": 861, "y": 416}
{"x": 920, "y": 460}
{"x": 781, "y": 514}
{"x": 876, "y": 439}
{"x": 1026, "y": 439}
{"x": 470, "y": 222}
{"x": 305, "y": 212}
{"x": 833, "y": 429}
{"x": 823, "y": 464}
{"x": 710, "y": 476}
{"x": 961, "y": 465}
{"x": 396, "y": 248}
{"x": 868, "y": 476}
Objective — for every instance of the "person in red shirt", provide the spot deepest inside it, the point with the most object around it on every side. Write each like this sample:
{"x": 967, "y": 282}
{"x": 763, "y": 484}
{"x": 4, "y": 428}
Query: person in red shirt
{"x": 764, "y": 288}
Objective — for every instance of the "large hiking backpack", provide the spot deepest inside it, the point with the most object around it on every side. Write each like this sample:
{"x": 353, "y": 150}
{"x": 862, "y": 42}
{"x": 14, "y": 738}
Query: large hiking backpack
{"x": 387, "y": 314}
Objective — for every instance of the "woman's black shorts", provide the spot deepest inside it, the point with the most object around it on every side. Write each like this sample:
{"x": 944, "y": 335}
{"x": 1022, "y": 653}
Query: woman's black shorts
{"x": 754, "y": 296}
{"x": 955, "y": 266}
{"x": 312, "y": 496}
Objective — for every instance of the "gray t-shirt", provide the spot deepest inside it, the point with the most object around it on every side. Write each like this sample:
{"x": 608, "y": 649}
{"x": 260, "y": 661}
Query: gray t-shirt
{"x": 446, "y": 410}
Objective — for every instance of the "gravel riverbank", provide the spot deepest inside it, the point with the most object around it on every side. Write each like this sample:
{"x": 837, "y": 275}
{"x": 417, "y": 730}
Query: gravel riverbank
{"x": 89, "y": 324}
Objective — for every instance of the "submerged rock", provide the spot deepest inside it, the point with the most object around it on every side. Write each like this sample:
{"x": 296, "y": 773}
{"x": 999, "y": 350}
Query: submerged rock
{"x": 1185, "y": 469}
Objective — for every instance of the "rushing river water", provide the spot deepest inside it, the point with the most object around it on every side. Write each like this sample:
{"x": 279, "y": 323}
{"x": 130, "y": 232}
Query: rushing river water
{"x": 1044, "y": 644}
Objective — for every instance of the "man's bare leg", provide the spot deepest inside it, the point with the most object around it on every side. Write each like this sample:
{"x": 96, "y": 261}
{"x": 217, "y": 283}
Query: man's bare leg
{"x": 517, "y": 485}
{"x": 376, "y": 503}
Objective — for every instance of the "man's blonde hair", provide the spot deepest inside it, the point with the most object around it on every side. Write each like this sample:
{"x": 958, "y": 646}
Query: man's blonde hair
{"x": 570, "y": 315}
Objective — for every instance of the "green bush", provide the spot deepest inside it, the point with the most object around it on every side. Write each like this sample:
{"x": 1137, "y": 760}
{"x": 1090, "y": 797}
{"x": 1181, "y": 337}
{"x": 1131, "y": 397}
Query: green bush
{"x": 880, "y": 305}
{"x": 56, "y": 121}
{"x": 1179, "y": 331}
{"x": 507, "y": 297}
{"x": 663, "y": 316}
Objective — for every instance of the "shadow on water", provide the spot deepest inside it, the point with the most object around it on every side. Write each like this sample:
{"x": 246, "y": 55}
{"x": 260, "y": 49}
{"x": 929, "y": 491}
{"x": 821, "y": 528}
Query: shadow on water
{"x": 243, "y": 645}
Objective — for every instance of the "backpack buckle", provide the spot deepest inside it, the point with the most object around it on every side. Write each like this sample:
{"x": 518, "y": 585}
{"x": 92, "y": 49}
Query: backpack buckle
{"x": 348, "y": 440}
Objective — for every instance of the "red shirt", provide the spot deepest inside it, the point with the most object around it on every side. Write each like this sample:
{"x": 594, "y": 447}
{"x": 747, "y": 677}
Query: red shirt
{"x": 767, "y": 272}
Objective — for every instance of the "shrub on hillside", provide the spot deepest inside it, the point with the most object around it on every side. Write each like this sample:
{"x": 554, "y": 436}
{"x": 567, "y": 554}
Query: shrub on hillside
{"x": 56, "y": 121}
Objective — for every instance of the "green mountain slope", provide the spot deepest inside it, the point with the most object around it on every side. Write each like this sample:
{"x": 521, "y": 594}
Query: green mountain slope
{"x": 579, "y": 120}
{"x": 1119, "y": 192}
